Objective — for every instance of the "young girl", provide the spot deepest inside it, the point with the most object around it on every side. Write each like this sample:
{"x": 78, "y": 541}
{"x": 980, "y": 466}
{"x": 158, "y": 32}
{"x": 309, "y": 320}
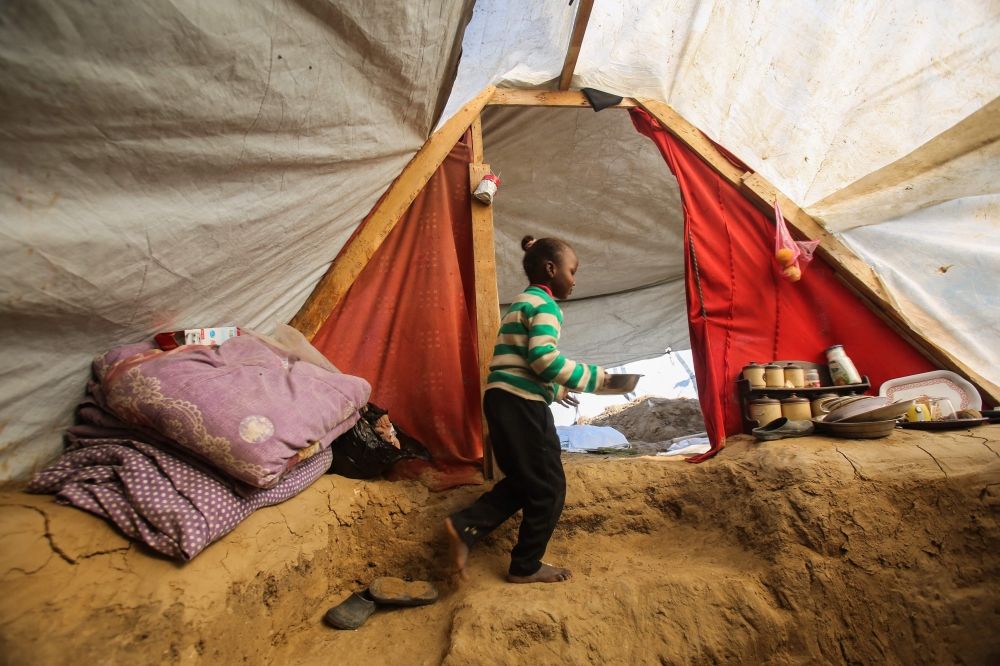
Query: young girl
{"x": 527, "y": 374}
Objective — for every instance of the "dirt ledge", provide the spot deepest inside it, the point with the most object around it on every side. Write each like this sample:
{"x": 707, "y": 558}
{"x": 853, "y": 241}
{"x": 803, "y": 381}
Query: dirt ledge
{"x": 811, "y": 550}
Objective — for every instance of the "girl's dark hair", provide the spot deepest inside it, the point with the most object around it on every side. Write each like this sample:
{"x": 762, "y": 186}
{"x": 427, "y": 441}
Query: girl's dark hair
{"x": 537, "y": 252}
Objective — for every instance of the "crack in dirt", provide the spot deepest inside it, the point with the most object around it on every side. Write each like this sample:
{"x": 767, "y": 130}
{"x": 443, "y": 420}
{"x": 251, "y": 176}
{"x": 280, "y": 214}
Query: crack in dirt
{"x": 856, "y": 472}
{"x": 59, "y": 551}
{"x": 985, "y": 442}
{"x": 934, "y": 459}
{"x": 48, "y": 533}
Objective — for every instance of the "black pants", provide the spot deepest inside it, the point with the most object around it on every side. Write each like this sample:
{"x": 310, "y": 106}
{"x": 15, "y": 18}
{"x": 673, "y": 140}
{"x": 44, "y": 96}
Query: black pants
{"x": 526, "y": 447}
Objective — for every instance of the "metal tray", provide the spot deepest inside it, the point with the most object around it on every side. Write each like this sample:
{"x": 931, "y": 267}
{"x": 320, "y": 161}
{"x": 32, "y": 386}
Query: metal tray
{"x": 618, "y": 384}
{"x": 957, "y": 424}
{"x": 865, "y": 430}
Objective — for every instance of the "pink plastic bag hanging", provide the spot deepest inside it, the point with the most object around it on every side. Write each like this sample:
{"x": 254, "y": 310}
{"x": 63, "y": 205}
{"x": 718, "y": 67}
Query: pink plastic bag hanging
{"x": 792, "y": 256}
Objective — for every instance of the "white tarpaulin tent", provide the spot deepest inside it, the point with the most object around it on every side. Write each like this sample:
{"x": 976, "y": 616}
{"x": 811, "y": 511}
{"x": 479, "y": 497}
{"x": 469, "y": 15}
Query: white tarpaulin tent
{"x": 178, "y": 164}
{"x": 182, "y": 164}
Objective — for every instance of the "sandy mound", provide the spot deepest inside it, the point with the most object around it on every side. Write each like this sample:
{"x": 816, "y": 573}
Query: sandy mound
{"x": 811, "y": 551}
{"x": 652, "y": 419}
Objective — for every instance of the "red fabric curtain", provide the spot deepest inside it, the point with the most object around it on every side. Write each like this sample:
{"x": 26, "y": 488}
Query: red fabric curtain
{"x": 408, "y": 326}
{"x": 741, "y": 310}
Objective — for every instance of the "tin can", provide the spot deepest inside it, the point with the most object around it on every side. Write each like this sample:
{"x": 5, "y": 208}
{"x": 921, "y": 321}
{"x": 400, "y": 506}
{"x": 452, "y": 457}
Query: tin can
{"x": 774, "y": 375}
{"x": 764, "y": 410}
{"x": 811, "y": 378}
{"x": 487, "y": 188}
{"x": 795, "y": 375}
{"x": 816, "y": 405}
{"x": 795, "y": 408}
{"x": 755, "y": 375}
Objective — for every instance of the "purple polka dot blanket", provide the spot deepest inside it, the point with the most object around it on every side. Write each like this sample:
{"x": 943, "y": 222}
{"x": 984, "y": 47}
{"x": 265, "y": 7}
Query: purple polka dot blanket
{"x": 176, "y": 448}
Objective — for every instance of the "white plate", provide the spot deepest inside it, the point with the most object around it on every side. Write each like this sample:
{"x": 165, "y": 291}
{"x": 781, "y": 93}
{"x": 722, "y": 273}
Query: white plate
{"x": 937, "y": 384}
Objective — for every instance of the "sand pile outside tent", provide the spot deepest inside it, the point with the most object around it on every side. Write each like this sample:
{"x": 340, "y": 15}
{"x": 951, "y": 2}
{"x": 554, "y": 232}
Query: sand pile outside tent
{"x": 652, "y": 419}
{"x": 811, "y": 551}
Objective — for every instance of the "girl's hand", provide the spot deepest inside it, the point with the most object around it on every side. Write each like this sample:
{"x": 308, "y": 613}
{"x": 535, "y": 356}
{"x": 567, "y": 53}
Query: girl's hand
{"x": 569, "y": 401}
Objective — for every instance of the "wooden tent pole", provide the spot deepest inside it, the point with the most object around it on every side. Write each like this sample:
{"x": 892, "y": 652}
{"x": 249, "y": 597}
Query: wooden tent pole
{"x": 487, "y": 298}
{"x": 567, "y": 98}
{"x": 382, "y": 220}
{"x": 848, "y": 267}
{"x": 575, "y": 41}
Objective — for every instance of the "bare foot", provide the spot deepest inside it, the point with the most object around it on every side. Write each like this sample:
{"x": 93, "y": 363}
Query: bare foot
{"x": 547, "y": 574}
{"x": 457, "y": 549}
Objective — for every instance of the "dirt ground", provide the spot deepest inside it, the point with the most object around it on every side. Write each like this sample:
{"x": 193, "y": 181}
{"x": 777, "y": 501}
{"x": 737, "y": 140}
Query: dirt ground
{"x": 806, "y": 551}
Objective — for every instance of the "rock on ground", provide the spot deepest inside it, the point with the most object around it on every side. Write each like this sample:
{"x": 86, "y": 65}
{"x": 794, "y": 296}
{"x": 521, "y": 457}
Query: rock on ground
{"x": 813, "y": 550}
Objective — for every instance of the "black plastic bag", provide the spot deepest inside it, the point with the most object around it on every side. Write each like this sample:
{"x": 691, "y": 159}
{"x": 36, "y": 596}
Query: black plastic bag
{"x": 361, "y": 453}
{"x": 599, "y": 99}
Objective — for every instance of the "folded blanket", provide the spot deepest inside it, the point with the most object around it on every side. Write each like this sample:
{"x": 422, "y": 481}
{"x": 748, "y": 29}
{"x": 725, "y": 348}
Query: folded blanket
{"x": 174, "y": 447}
{"x": 153, "y": 497}
{"x": 250, "y": 409}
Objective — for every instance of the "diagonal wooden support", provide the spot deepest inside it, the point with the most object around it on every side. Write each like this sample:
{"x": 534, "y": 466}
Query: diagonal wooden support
{"x": 563, "y": 98}
{"x": 575, "y": 41}
{"x": 849, "y": 268}
{"x": 382, "y": 220}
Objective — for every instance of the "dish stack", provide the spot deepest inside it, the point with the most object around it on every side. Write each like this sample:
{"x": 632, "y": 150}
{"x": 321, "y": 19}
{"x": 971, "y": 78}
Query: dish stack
{"x": 789, "y": 389}
{"x": 860, "y": 416}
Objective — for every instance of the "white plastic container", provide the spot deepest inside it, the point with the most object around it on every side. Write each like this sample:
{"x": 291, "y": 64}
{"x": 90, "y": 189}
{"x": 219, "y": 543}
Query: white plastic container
{"x": 842, "y": 370}
{"x": 209, "y": 336}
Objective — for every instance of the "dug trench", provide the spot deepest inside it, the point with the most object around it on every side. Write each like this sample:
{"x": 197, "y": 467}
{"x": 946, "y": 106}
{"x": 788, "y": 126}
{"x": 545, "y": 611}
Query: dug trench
{"x": 805, "y": 551}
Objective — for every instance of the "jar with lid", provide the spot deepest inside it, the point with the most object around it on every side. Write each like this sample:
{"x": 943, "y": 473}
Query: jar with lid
{"x": 842, "y": 369}
{"x": 755, "y": 375}
{"x": 795, "y": 375}
{"x": 795, "y": 408}
{"x": 764, "y": 410}
{"x": 816, "y": 405}
{"x": 811, "y": 378}
{"x": 774, "y": 375}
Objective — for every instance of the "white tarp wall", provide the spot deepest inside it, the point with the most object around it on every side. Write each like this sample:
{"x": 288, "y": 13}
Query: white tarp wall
{"x": 890, "y": 97}
{"x": 594, "y": 181}
{"x": 183, "y": 164}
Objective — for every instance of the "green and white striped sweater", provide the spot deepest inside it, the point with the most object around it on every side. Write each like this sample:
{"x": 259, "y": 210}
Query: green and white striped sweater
{"x": 526, "y": 361}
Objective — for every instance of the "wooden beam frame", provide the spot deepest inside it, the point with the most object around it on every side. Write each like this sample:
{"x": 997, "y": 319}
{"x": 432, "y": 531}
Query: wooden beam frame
{"x": 477, "y": 139}
{"x": 575, "y": 41}
{"x": 558, "y": 98}
{"x": 485, "y": 270}
{"x": 487, "y": 296}
{"x": 382, "y": 220}
{"x": 857, "y": 275}
{"x": 854, "y": 273}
